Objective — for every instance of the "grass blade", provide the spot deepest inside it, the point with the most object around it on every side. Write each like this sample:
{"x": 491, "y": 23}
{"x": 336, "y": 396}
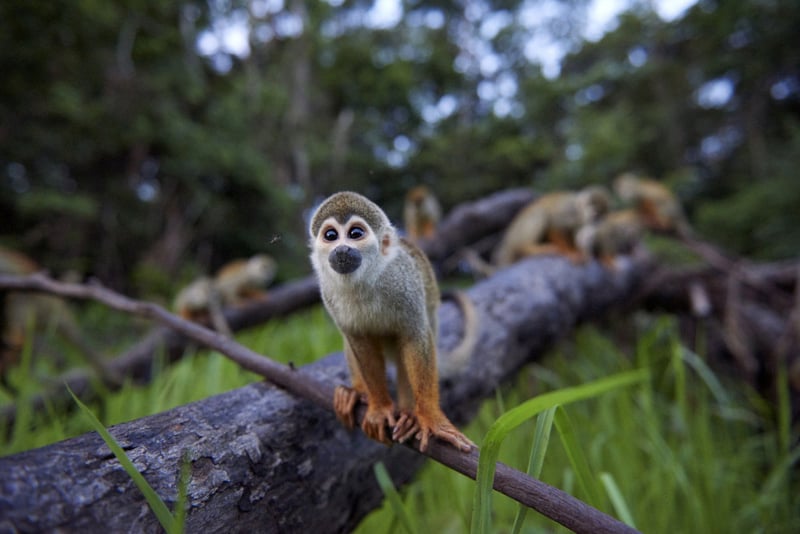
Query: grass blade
{"x": 387, "y": 486}
{"x": 490, "y": 450}
{"x": 586, "y": 480}
{"x": 617, "y": 500}
{"x": 541, "y": 439}
{"x": 678, "y": 367}
{"x": 784, "y": 409}
{"x": 153, "y": 500}
{"x": 183, "y": 490}
{"x": 707, "y": 375}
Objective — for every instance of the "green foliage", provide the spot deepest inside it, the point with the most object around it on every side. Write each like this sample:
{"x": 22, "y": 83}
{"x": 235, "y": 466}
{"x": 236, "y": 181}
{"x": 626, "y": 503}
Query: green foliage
{"x": 124, "y": 147}
{"x": 762, "y": 219}
{"x": 390, "y": 492}
{"x": 719, "y": 464}
{"x": 682, "y": 451}
{"x": 196, "y": 376}
{"x": 541, "y": 439}
{"x": 490, "y": 446}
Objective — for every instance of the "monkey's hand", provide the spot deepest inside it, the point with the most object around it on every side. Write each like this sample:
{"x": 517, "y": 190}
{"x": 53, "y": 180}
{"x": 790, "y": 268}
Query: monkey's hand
{"x": 440, "y": 427}
{"x": 375, "y": 421}
{"x": 344, "y": 404}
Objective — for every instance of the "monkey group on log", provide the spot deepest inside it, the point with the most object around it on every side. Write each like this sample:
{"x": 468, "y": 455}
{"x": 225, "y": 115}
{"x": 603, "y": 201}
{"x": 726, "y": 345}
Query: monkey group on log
{"x": 579, "y": 225}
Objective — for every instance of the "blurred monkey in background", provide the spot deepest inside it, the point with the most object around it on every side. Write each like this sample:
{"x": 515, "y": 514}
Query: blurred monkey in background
{"x": 548, "y": 225}
{"x": 236, "y": 283}
{"x": 617, "y": 233}
{"x": 657, "y": 206}
{"x": 421, "y": 213}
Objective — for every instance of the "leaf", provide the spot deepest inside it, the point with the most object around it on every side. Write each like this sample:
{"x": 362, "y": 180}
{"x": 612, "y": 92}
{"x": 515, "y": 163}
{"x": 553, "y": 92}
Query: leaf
{"x": 490, "y": 450}
{"x": 385, "y": 482}
{"x": 541, "y": 439}
{"x": 617, "y": 500}
{"x": 577, "y": 459}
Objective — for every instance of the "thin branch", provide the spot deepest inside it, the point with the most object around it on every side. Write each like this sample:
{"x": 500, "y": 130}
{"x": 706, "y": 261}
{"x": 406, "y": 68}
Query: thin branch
{"x": 547, "y": 500}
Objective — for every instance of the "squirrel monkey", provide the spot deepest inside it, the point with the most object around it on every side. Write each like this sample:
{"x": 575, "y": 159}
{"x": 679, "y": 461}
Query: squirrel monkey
{"x": 548, "y": 225}
{"x": 235, "y": 283}
{"x": 658, "y": 207}
{"x": 240, "y": 281}
{"x": 21, "y": 311}
{"x": 421, "y": 213}
{"x": 617, "y": 233}
{"x": 382, "y": 294}
{"x": 201, "y": 302}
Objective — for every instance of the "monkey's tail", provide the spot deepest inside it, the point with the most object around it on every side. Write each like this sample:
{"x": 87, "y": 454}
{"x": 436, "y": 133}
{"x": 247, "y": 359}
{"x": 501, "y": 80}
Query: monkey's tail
{"x": 457, "y": 359}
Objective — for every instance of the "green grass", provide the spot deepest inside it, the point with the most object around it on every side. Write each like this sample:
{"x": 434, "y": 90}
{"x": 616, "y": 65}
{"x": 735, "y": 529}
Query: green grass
{"x": 198, "y": 375}
{"x": 685, "y": 450}
{"x": 512, "y": 419}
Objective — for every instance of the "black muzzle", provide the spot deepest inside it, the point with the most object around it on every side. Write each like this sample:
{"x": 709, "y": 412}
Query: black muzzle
{"x": 344, "y": 259}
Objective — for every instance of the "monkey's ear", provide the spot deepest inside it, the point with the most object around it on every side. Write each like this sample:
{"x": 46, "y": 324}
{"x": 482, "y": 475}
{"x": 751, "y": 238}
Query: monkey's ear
{"x": 386, "y": 243}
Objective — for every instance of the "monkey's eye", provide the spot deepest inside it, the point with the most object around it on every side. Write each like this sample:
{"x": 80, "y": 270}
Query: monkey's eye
{"x": 330, "y": 235}
{"x": 356, "y": 232}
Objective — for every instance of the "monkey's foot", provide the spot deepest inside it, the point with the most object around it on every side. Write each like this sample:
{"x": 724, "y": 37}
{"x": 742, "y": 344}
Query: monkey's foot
{"x": 406, "y": 427}
{"x": 444, "y": 430}
{"x": 344, "y": 404}
{"x": 376, "y": 420}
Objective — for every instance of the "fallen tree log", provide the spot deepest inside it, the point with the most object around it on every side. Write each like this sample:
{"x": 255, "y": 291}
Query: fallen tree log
{"x": 749, "y": 318}
{"x": 264, "y": 460}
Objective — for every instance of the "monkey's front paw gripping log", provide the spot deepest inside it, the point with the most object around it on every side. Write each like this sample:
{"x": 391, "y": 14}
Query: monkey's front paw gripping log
{"x": 344, "y": 405}
{"x": 375, "y": 422}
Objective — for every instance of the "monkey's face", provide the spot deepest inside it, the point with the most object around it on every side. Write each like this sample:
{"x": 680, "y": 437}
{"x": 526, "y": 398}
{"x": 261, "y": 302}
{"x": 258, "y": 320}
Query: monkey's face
{"x": 345, "y": 246}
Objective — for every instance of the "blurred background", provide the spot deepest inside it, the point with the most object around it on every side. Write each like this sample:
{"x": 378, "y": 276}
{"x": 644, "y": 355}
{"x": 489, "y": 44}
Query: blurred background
{"x": 144, "y": 142}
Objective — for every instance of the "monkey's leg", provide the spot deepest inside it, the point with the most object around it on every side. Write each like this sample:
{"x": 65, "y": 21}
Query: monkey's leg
{"x": 652, "y": 216}
{"x": 538, "y": 249}
{"x": 565, "y": 246}
{"x": 406, "y": 426}
{"x": 367, "y": 356}
{"x": 428, "y": 229}
{"x": 420, "y": 363}
{"x": 251, "y": 293}
{"x": 345, "y": 398}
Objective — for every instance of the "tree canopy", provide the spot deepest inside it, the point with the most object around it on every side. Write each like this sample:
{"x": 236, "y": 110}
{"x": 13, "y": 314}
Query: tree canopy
{"x": 142, "y": 141}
